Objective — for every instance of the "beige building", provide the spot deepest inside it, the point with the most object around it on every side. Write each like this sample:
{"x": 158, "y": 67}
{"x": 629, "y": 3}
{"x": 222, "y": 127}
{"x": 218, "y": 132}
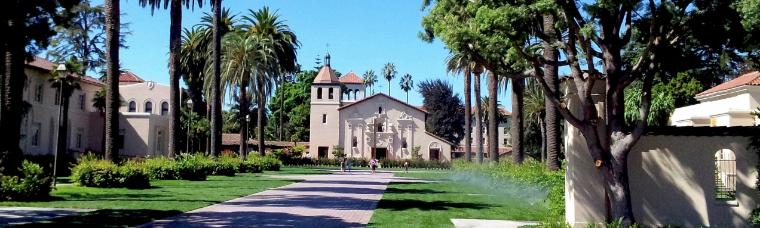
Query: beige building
{"x": 143, "y": 121}
{"x": 360, "y": 124}
{"x": 679, "y": 176}
{"x": 728, "y": 104}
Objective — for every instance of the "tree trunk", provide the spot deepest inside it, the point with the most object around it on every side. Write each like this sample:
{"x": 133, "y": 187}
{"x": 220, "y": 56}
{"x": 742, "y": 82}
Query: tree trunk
{"x": 243, "y": 121}
{"x": 467, "y": 115}
{"x": 615, "y": 176}
{"x": 13, "y": 105}
{"x": 551, "y": 70}
{"x": 3, "y": 39}
{"x": 518, "y": 91}
{"x": 112, "y": 14}
{"x": 493, "y": 125}
{"x": 260, "y": 120}
{"x": 389, "y": 86}
{"x": 542, "y": 128}
{"x": 64, "y": 121}
{"x": 216, "y": 101}
{"x": 478, "y": 118}
{"x": 175, "y": 40}
{"x": 282, "y": 107}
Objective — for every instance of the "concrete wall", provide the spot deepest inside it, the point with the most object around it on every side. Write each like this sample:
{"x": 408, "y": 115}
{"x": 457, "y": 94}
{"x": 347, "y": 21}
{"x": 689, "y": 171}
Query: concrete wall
{"x": 324, "y": 134}
{"x": 731, "y": 107}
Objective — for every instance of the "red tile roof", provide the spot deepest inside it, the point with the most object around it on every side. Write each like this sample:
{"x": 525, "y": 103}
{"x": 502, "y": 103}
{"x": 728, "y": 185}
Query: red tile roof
{"x": 127, "y": 76}
{"x": 351, "y": 78}
{"x": 382, "y": 94}
{"x": 44, "y": 64}
{"x": 751, "y": 78}
{"x": 326, "y": 76}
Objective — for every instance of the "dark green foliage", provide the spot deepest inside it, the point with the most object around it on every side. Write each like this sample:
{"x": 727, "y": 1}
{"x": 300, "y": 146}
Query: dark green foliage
{"x": 32, "y": 184}
{"x": 295, "y": 111}
{"x": 65, "y": 162}
{"x": 445, "y": 110}
{"x": 194, "y": 167}
{"x": 360, "y": 162}
{"x": 161, "y": 168}
{"x": 268, "y": 163}
{"x": 106, "y": 174}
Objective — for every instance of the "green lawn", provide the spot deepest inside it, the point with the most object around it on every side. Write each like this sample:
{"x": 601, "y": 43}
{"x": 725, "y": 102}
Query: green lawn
{"x": 130, "y": 207}
{"x": 435, "y": 204}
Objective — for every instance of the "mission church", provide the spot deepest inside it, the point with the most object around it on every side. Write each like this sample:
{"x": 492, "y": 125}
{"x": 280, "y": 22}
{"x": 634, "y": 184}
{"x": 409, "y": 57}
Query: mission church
{"x": 377, "y": 126}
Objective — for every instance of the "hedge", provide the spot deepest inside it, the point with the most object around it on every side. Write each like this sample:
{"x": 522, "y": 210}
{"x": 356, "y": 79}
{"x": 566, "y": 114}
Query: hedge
{"x": 32, "y": 184}
{"x": 359, "y": 162}
{"x": 106, "y": 174}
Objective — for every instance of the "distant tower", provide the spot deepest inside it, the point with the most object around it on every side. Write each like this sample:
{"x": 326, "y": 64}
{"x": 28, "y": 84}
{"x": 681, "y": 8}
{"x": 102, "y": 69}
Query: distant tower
{"x": 324, "y": 116}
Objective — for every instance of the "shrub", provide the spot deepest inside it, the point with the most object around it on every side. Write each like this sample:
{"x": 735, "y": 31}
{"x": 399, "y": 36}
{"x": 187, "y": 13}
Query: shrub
{"x": 194, "y": 167}
{"x": 226, "y": 165}
{"x": 106, "y": 174}
{"x": 161, "y": 168}
{"x": 268, "y": 163}
{"x": 32, "y": 184}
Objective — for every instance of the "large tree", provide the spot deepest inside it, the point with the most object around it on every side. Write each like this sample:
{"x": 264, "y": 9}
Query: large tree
{"x": 458, "y": 63}
{"x": 113, "y": 23}
{"x": 65, "y": 83}
{"x": 600, "y": 46}
{"x": 31, "y": 23}
{"x": 445, "y": 110}
{"x": 389, "y": 72}
{"x": 216, "y": 94}
{"x": 294, "y": 109}
{"x": 370, "y": 78}
{"x": 406, "y": 84}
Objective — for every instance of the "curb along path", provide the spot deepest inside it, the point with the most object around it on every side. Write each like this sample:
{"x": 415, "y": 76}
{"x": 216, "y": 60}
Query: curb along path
{"x": 336, "y": 200}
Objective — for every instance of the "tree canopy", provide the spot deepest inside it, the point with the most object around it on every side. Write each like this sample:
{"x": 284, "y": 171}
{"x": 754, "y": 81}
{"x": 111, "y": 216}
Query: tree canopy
{"x": 445, "y": 110}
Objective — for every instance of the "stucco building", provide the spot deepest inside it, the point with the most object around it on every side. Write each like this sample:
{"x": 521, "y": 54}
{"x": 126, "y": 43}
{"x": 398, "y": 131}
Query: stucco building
{"x": 728, "y": 104}
{"x": 143, "y": 120}
{"x": 377, "y": 126}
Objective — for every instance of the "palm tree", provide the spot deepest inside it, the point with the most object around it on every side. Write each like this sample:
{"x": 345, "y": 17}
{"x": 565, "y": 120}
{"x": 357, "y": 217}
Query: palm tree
{"x": 370, "y": 79}
{"x": 389, "y": 72}
{"x": 216, "y": 100}
{"x": 175, "y": 42}
{"x": 535, "y": 108}
{"x": 493, "y": 150}
{"x": 479, "y": 112}
{"x": 267, "y": 25}
{"x": 112, "y": 14}
{"x": 66, "y": 86}
{"x": 458, "y": 63}
{"x": 551, "y": 76}
{"x": 517, "y": 128}
{"x": 406, "y": 85}
{"x": 245, "y": 55}
{"x": 99, "y": 103}
{"x": 193, "y": 59}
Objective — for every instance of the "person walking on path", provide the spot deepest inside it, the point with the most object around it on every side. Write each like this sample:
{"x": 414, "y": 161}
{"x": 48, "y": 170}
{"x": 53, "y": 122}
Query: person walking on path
{"x": 406, "y": 166}
{"x": 342, "y": 165}
{"x": 373, "y": 165}
{"x": 348, "y": 165}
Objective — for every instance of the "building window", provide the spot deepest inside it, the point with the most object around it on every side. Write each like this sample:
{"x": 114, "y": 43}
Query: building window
{"x": 81, "y": 101}
{"x": 36, "y": 134}
{"x": 330, "y": 94}
{"x": 148, "y": 107}
{"x": 132, "y": 107}
{"x": 319, "y": 93}
{"x": 403, "y": 143}
{"x": 380, "y": 127}
{"x": 38, "y": 94}
{"x": 120, "y": 141}
{"x": 324, "y": 118}
{"x": 354, "y": 142}
{"x": 725, "y": 175}
{"x": 159, "y": 142}
{"x": 78, "y": 138}
{"x": 380, "y": 110}
{"x": 164, "y": 108}
{"x": 57, "y": 96}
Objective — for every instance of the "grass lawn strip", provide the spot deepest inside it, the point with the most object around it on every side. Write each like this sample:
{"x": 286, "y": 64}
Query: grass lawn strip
{"x": 435, "y": 202}
{"x": 119, "y": 207}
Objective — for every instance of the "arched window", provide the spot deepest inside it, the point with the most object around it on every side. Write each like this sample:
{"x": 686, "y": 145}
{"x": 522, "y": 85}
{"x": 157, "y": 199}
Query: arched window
{"x": 354, "y": 142}
{"x": 380, "y": 127}
{"x": 380, "y": 110}
{"x": 319, "y": 93}
{"x": 403, "y": 143}
{"x": 330, "y": 94}
{"x": 148, "y": 107}
{"x": 725, "y": 175}
{"x": 132, "y": 107}
{"x": 164, "y": 108}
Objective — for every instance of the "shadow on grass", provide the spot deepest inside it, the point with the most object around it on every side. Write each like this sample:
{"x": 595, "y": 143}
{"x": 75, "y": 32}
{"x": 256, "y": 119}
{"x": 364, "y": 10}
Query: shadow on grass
{"x": 107, "y": 218}
{"x": 406, "y": 204}
{"x": 413, "y": 191}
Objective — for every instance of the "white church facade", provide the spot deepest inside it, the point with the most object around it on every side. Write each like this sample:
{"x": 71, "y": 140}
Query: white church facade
{"x": 377, "y": 126}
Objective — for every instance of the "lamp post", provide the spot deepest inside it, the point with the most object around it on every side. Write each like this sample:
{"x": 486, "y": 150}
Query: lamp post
{"x": 187, "y": 135}
{"x": 247, "y": 120}
{"x": 62, "y": 70}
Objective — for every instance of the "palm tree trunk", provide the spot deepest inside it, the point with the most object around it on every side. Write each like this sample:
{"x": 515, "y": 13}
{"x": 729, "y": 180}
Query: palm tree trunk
{"x": 175, "y": 40}
{"x": 552, "y": 115}
{"x": 493, "y": 146}
{"x": 64, "y": 121}
{"x": 216, "y": 101}
{"x": 518, "y": 91}
{"x": 282, "y": 107}
{"x": 467, "y": 116}
{"x": 243, "y": 121}
{"x": 112, "y": 14}
{"x": 542, "y": 128}
{"x": 478, "y": 118}
{"x": 13, "y": 104}
{"x": 260, "y": 120}
{"x": 389, "y": 87}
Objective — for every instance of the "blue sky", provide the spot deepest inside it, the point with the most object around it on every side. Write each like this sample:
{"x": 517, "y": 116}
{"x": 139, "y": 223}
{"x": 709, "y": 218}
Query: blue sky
{"x": 360, "y": 35}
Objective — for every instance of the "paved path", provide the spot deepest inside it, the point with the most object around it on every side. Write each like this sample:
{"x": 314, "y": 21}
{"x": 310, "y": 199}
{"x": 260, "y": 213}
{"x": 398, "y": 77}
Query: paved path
{"x": 22, "y": 215}
{"x": 322, "y": 201}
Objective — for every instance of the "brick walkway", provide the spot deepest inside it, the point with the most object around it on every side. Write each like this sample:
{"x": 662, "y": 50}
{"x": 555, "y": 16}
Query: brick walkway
{"x": 337, "y": 200}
